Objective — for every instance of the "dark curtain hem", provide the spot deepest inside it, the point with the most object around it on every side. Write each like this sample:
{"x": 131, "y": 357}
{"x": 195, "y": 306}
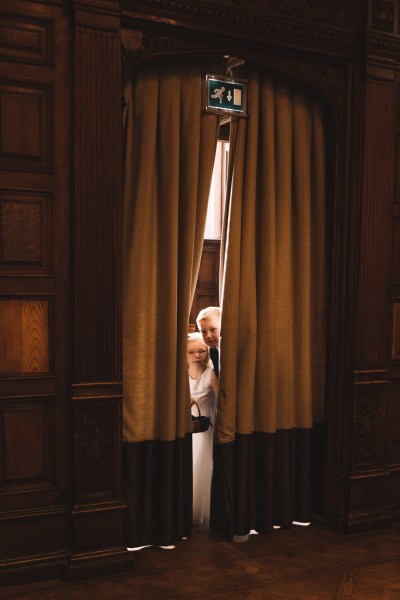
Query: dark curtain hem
{"x": 158, "y": 491}
{"x": 265, "y": 479}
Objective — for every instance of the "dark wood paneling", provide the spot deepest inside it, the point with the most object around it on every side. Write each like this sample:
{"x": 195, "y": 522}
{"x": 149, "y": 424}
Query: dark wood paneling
{"x": 25, "y": 126}
{"x": 396, "y": 250}
{"x": 97, "y": 202}
{"x": 20, "y": 222}
{"x": 396, "y": 331}
{"x": 98, "y": 510}
{"x": 35, "y": 288}
{"x": 98, "y": 447}
{"x": 392, "y": 426}
{"x": 207, "y": 288}
{"x": 397, "y": 167}
{"x": 25, "y": 343}
{"x": 373, "y": 316}
{"x": 25, "y": 231}
{"x": 27, "y": 427}
{"x": 26, "y": 39}
{"x": 383, "y": 12}
{"x": 369, "y": 412}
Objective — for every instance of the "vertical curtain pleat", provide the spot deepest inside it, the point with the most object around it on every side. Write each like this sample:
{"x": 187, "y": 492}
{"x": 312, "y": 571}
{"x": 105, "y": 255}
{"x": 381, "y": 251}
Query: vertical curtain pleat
{"x": 170, "y": 149}
{"x": 273, "y": 311}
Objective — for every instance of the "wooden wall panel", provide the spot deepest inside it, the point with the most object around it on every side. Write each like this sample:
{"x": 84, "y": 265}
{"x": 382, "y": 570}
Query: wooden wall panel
{"x": 373, "y": 317}
{"x": 25, "y": 231}
{"x": 27, "y": 428}
{"x": 97, "y": 448}
{"x": 24, "y": 344}
{"x": 25, "y": 126}
{"x": 207, "y": 287}
{"x": 397, "y": 166}
{"x": 392, "y": 425}
{"x": 396, "y": 249}
{"x": 97, "y": 205}
{"x": 26, "y": 39}
{"x": 20, "y": 232}
{"x": 368, "y": 441}
{"x": 97, "y": 223}
{"x": 35, "y": 287}
{"x": 396, "y": 332}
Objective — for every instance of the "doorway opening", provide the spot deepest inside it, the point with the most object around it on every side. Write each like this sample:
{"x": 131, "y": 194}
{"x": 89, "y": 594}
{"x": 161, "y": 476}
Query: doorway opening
{"x": 207, "y": 288}
{"x": 165, "y": 188}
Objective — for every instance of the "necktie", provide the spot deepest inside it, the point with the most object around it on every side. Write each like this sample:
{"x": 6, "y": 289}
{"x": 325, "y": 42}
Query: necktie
{"x": 214, "y": 355}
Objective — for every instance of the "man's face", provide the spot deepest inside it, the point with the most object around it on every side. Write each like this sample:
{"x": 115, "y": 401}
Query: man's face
{"x": 209, "y": 329}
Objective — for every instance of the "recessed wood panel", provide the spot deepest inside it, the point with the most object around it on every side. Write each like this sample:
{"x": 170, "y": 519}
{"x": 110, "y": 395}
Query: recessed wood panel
{"x": 25, "y": 127}
{"x": 24, "y": 234}
{"x": 96, "y": 442}
{"x": 27, "y": 431}
{"x": 25, "y": 40}
{"x": 398, "y": 89}
{"x": 397, "y": 169}
{"x": 383, "y": 15}
{"x": 208, "y": 269}
{"x": 396, "y": 331}
{"x": 396, "y": 250}
{"x": 20, "y": 232}
{"x": 368, "y": 438}
{"x": 392, "y": 434}
{"x": 207, "y": 288}
{"x": 24, "y": 341}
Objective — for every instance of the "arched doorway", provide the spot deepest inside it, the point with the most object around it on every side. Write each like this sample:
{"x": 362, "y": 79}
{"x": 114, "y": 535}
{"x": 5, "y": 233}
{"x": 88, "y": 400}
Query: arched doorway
{"x": 291, "y": 439}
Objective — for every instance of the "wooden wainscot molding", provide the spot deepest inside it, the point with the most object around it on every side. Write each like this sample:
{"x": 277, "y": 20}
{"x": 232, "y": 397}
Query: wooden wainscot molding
{"x": 97, "y": 13}
{"x": 382, "y": 68}
{"x": 99, "y": 510}
{"x": 371, "y": 376}
{"x": 364, "y": 500}
{"x": 382, "y": 55}
{"x": 98, "y": 444}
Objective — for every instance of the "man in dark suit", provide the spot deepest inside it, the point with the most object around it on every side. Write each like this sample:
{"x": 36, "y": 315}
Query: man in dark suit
{"x": 209, "y": 324}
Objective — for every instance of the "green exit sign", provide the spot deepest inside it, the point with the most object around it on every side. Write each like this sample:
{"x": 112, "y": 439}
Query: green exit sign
{"x": 225, "y": 95}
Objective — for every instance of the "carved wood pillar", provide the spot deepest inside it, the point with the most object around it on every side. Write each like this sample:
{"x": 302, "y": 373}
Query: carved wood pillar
{"x": 97, "y": 388}
{"x": 368, "y": 472}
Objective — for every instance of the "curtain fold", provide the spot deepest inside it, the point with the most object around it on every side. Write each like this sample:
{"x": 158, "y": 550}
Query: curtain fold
{"x": 169, "y": 154}
{"x": 272, "y": 357}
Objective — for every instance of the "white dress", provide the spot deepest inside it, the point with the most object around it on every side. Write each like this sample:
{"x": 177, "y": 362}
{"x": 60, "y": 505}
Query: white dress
{"x": 202, "y": 444}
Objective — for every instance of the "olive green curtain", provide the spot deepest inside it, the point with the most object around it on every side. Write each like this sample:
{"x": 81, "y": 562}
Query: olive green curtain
{"x": 272, "y": 356}
{"x": 169, "y": 154}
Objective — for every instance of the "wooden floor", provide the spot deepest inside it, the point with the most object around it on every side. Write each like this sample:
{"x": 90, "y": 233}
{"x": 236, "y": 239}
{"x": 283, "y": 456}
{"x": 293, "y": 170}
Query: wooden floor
{"x": 303, "y": 563}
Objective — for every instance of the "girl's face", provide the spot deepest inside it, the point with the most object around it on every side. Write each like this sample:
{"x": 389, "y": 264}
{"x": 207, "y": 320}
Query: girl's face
{"x": 197, "y": 352}
{"x": 209, "y": 329}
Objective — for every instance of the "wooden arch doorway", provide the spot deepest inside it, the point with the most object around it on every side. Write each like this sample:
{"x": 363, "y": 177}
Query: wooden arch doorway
{"x": 209, "y": 303}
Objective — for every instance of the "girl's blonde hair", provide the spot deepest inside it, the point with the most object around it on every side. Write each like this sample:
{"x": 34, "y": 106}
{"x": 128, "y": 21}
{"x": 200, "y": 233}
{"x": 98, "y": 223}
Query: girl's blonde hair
{"x": 196, "y": 335}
